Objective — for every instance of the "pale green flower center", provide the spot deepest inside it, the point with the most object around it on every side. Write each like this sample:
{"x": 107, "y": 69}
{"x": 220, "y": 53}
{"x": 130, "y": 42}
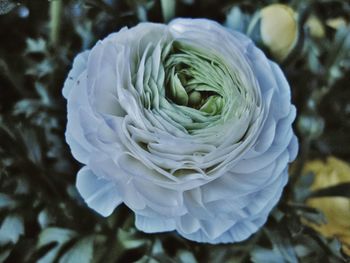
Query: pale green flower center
{"x": 192, "y": 87}
{"x": 194, "y": 80}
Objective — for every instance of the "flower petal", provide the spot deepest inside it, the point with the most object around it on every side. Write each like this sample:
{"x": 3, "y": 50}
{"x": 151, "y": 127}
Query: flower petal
{"x": 100, "y": 194}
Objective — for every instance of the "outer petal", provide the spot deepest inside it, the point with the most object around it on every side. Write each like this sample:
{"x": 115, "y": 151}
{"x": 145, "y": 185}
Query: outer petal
{"x": 79, "y": 65}
{"x": 100, "y": 194}
{"x": 78, "y": 103}
{"x": 154, "y": 224}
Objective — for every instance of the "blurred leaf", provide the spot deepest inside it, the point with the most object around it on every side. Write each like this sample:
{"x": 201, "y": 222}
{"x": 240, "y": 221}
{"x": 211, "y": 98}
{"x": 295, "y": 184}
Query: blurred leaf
{"x": 81, "y": 252}
{"x": 45, "y": 218}
{"x": 310, "y": 125}
{"x": 6, "y": 202}
{"x": 186, "y": 257}
{"x": 53, "y": 234}
{"x": 36, "y": 46}
{"x": 21, "y": 251}
{"x": 130, "y": 240}
{"x": 313, "y": 56}
{"x": 188, "y": 2}
{"x": 147, "y": 259}
{"x": 101, "y": 5}
{"x": 42, "y": 92}
{"x": 254, "y": 29}
{"x": 3, "y": 68}
{"x": 263, "y": 255}
{"x": 4, "y": 254}
{"x": 303, "y": 187}
{"x": 6, "y": 6}
{"x": 340, "y": 46}
{"x": 163, "y": 258}
{"x": 141, "y": 13}
{"x": 11, "y": 229}
{"x": 41, "y": 69}
{"x": 237, "y": 20}
{"x": 27, "y": 107}
{"x": 339, "y": 190}
{"x": 133, "y": 255}
{"x": 281, "y": 241}
{"x": 317, "y": 218}
{"x": 304, "y": 211}
{"x": 335, "y": 246}
{"x": 168, "y": 9}
{"x": 84, "y": 30}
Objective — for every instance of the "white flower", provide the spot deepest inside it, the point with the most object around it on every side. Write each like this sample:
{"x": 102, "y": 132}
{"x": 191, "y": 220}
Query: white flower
{"x": 188, "y": 124}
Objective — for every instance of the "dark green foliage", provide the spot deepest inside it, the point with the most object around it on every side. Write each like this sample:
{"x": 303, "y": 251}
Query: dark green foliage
{"x": 42, "y": 217}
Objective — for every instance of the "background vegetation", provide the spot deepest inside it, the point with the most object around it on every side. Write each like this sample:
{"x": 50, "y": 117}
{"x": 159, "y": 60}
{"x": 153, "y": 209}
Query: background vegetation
{"x": 43, "y": 218}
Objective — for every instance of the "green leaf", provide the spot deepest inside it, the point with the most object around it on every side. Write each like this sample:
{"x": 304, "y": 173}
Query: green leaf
{"x": 311, "y": 125}
{"x": 45, "y": 218}
{"x": 281, "y": 241}
{"x": 6, "y": 6}
{"x": 81, "y": 252}
{"x": 185, "y": 256}
{"x": 307, "y": 212}
{"x": 84, "y": 30}
{"x": 41, "y": 69}
{"x": 263, "y": 255}
{"x": 168, "y": 9}
{"x": 339, "y": 51}
{"x": 339, "y": 190}
{"x": 6, "y": 202}
{"x": 42, "y": 92}
{"x": 11, "y": 229}
{"x": 129, "y": 240}
{"x": 236, "y": 20}
{"x": 4, "y": 254}
{"x": 317, "y": 218}
{"x": 303, "y": 187}
{"x": 147, "y": 259}
{"x": 53, "y": 234}
{"x": 36, "y": 46}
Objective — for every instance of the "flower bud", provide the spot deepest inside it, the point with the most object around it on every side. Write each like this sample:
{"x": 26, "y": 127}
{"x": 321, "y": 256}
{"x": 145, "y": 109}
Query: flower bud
{"x": 279, "y": 30}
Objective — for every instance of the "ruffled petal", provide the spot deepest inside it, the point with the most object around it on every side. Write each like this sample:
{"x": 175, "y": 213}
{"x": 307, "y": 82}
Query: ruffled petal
{"x": 99, "y": 194}
{"x": 79, "y": 65}
{"x": 155, "y": 224}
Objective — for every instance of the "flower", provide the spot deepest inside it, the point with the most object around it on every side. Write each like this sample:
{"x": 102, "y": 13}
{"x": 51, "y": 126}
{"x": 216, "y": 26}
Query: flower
{"x": 335, "y": 209}
{"x": 279, "y": 30}
{"x": 188, "y": 124}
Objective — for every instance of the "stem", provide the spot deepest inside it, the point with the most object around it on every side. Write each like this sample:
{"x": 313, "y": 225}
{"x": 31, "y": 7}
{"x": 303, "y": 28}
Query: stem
{"x": 168, "y": 9}
{"x": 55, "y": 19}
{"x": 249, "y": 247}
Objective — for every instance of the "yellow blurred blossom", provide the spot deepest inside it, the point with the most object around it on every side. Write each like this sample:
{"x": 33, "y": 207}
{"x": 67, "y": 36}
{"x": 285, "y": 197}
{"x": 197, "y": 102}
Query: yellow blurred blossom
{"x": 335, "y": 209}
{"x": 336, "y": 22}
{"x": 315, "y": 27}
{"x": 279, "y": 30}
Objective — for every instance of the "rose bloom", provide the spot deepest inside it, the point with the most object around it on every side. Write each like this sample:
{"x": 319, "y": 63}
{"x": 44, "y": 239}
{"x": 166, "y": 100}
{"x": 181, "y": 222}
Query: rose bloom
{"x": 188, "y": 124}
